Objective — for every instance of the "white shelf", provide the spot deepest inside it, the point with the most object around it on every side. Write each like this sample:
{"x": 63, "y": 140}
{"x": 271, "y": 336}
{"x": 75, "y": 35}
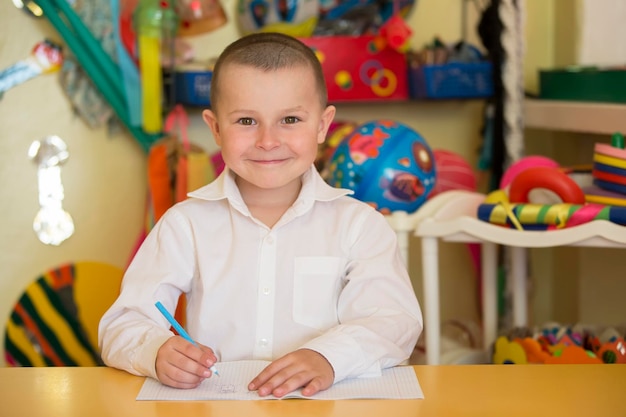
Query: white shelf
{"x": 574, "y": 116}
{"x": 451, "y": 216}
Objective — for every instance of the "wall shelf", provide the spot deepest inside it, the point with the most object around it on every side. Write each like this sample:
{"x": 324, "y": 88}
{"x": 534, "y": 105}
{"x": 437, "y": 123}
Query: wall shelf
{"x": 574, "y": 116}
{"x": 451, "y": 217}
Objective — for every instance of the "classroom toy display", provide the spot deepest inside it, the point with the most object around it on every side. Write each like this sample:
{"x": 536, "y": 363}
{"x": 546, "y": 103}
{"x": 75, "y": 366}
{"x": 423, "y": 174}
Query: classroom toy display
{"x": 556, "y": 344}
{"x": 564, "y": 203}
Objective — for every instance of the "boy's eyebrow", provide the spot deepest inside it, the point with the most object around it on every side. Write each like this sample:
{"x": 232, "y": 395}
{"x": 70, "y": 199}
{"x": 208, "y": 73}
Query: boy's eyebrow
{"x": 286, "y": 110}
{"x": 246, "y": 111}
{"x": 296, "y": 108}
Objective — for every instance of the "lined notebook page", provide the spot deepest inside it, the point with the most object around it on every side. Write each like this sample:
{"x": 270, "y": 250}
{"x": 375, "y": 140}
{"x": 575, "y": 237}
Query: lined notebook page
{"x": 232, "y": 384}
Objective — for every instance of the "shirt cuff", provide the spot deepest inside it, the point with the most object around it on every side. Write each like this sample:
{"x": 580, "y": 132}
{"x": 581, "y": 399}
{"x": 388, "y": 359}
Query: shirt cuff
{"x": 145, "y": 358}
{"x": 345, "y": 356}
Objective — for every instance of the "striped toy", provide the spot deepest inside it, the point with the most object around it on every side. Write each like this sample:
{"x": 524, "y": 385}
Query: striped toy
{"x": 549, "y": 216}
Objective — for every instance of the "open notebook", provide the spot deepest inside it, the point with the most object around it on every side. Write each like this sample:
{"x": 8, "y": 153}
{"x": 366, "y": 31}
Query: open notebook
{"x": 232, "y": 384}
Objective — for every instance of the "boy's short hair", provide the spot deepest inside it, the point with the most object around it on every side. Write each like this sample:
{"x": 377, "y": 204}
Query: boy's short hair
{"x": 269, "y": 51}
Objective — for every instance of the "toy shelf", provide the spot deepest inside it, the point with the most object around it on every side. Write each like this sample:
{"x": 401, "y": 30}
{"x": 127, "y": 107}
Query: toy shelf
{"x": 451, "y": 217}
{"x": 574, "y": 116}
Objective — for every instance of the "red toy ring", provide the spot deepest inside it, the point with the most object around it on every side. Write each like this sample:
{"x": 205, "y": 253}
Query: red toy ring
{"x": 549, "y": 178}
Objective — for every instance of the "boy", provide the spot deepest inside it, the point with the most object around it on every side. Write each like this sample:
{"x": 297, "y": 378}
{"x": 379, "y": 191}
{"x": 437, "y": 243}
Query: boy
{"x": 275, "y": 263}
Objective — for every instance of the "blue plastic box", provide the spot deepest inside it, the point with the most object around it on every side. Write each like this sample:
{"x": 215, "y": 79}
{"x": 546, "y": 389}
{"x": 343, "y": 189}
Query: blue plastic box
{"x": 193, "y": 87}
{"x": 450, "y": 81}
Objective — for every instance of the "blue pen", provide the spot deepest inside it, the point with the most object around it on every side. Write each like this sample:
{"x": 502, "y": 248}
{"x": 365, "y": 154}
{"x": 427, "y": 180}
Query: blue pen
{"x": 180, "y": 329}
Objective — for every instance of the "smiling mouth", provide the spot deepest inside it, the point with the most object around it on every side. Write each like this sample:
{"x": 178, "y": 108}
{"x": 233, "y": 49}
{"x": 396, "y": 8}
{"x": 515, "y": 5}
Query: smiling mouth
{"x": 268, "y": 161}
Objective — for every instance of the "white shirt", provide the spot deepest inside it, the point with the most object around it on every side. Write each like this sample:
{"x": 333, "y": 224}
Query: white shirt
{"x": 327, "y": 277}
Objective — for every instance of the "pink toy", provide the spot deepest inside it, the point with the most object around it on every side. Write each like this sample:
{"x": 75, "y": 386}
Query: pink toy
{"x": 453, "y": 173}
{"x": 524, "y": 163}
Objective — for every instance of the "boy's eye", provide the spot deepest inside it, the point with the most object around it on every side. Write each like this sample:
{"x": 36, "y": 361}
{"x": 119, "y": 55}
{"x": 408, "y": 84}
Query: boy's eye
{"x": 291, "y": 120}
{"x": 246, "y": 121}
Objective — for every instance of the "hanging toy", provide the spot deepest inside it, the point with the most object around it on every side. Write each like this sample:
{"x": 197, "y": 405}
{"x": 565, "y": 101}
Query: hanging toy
{"x": 397, "y": 33}
{"x": 155, "y": 26}
{"x": 199, "y": 16}
{"x": 46, "y": 57}
{"x": 52, "y": 224}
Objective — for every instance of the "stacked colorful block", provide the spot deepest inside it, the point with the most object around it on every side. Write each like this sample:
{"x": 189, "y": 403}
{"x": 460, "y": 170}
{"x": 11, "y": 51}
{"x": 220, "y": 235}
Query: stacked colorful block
{"x": 609, "y": 173}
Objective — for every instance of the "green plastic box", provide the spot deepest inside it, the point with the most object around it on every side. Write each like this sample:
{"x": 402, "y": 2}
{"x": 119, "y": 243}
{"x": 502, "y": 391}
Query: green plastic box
{"x": 583, "y": 84}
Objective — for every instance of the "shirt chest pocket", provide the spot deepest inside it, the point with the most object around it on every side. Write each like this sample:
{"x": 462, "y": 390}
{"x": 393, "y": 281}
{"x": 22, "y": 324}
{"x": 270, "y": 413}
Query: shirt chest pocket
{"x": 317, "y": 283}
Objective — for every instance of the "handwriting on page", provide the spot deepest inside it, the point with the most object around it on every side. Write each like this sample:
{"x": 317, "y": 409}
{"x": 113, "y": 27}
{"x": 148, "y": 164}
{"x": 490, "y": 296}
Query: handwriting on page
{"x": 227, "y": 389}
{"x": 232, "y": 384}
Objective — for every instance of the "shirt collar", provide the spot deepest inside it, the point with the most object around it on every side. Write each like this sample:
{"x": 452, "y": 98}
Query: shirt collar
{"x": 314, "y": 188}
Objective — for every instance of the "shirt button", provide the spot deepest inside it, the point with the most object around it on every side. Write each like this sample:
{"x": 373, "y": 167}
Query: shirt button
{"x": 266, "y": 291}
{"x": 263, "y": 342}
{"x": 270, "y": 240}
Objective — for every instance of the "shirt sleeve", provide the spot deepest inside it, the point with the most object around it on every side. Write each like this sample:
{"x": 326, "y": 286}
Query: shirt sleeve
{"x": 379, "y": 315}
{"x": 132, "y": 329}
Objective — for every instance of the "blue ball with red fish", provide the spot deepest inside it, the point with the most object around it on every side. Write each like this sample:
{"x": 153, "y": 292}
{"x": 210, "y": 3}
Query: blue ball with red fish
{"x": 387, "y": 164}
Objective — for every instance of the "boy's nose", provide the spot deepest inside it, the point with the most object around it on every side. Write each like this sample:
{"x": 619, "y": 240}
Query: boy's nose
{"x": 267, "y": 139}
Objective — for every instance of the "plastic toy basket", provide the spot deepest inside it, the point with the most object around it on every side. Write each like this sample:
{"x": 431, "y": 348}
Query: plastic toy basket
{"x": 193, "y": 87}
{"x": 454, "y": 80}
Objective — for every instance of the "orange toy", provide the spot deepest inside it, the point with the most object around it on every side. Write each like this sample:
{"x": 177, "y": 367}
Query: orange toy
{"x": 534, "y": 352}
{"x": 572, "y": 355}
{"x": 613, "y": 352}
{"x": 550, "y": 178}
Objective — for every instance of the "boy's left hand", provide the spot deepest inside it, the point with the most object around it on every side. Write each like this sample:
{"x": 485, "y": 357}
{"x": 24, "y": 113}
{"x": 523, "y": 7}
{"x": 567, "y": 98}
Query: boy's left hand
{"x": 302, "y": 368}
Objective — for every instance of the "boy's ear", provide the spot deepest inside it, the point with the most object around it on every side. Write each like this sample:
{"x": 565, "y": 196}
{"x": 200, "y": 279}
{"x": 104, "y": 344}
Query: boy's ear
{"x": 211, "y": 121}
{"x": 326, "y": 120}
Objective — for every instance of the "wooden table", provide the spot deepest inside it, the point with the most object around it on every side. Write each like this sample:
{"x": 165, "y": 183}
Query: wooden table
{"x": 453, "y": 390}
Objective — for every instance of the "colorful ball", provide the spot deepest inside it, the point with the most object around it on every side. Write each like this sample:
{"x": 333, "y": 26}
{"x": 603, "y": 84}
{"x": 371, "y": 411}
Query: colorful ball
{"x": 336, "y": 132}
{"x": 293, "y": 17}
{"x": 453, "y": 173}
{"x": 387, "y": 164}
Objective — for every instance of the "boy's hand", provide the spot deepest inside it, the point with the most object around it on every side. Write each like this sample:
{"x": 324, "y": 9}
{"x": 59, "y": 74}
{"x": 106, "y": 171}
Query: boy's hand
{"x": 302, "y": 368}
{"x": 181, "y": 364}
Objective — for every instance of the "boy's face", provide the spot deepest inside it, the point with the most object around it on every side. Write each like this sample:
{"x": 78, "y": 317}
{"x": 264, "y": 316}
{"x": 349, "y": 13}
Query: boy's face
{"x": 268, "y": 123}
